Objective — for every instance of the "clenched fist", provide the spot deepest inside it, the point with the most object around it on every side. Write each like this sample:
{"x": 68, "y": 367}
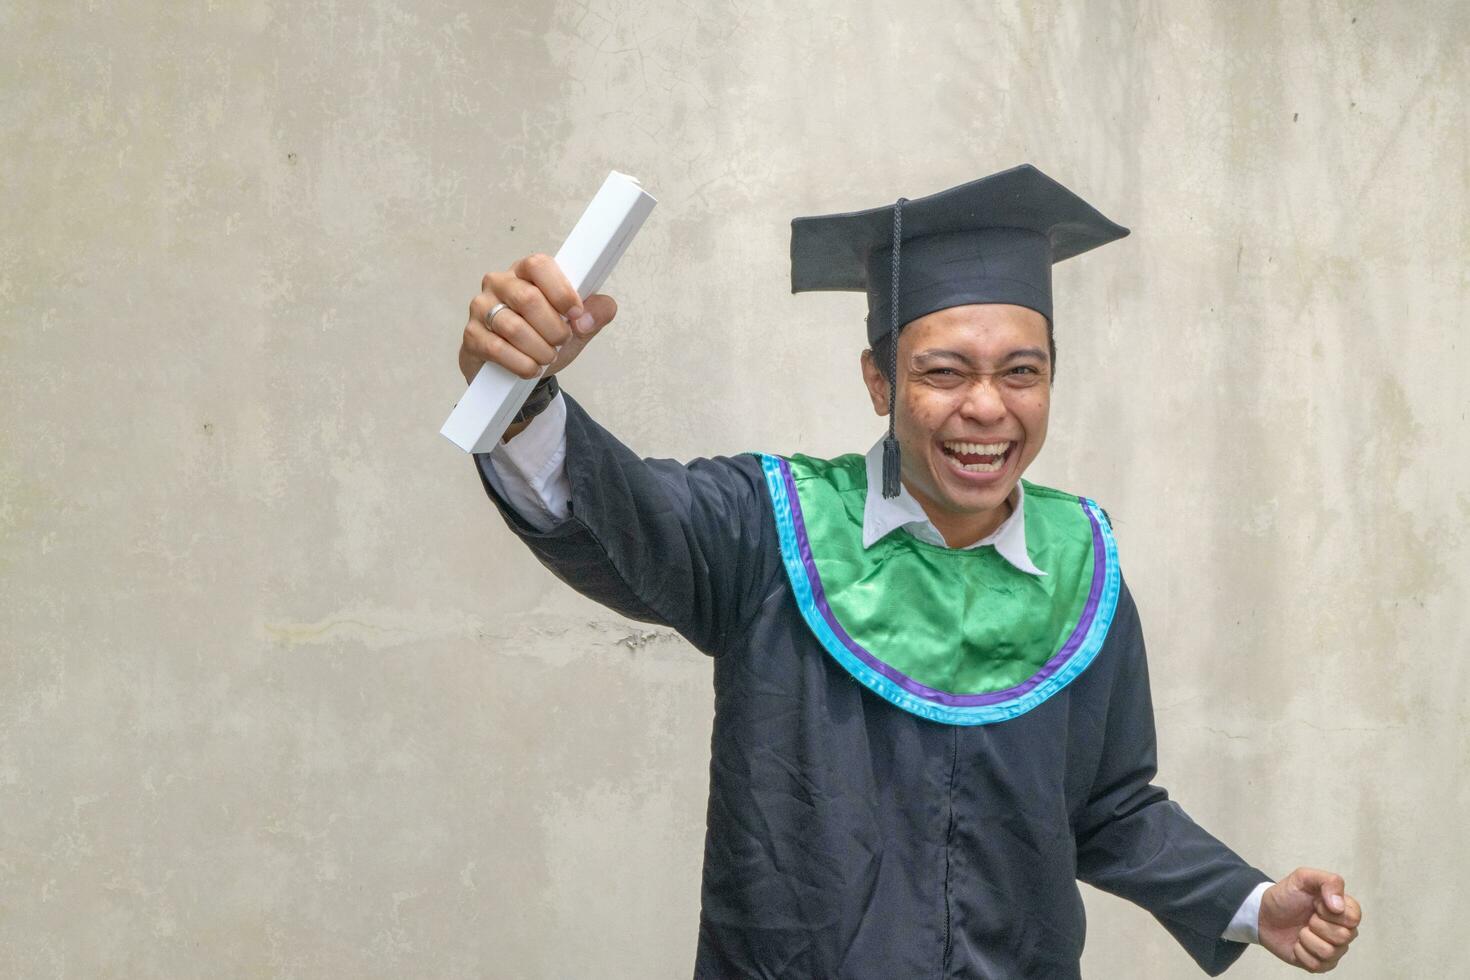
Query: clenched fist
{"x": 543, "y": 324}
{"x": 1308, "y": 919}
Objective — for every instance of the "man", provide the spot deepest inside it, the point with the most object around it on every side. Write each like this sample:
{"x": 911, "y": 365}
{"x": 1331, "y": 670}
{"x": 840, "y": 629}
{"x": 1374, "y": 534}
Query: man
{"x": 933, "y": 818}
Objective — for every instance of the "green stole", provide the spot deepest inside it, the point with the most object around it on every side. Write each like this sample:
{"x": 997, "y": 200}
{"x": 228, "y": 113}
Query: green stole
{"x": 960, "y": 637}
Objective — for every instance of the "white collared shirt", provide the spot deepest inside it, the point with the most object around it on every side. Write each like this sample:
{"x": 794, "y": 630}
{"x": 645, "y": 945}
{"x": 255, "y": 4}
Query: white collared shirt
{"x": 883, "y": 515}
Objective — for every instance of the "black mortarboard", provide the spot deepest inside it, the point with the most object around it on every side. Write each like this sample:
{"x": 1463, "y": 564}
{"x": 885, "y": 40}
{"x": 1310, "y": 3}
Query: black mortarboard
{"x": 992, "y": 240}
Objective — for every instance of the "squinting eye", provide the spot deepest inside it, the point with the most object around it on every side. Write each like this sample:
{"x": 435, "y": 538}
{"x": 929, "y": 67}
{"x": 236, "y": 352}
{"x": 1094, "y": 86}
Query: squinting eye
{"x": 1023, "y": 376}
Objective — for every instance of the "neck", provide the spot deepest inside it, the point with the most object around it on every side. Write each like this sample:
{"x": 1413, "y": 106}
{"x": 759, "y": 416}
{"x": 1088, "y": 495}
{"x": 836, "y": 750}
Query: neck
{"x": 963, "y": 530}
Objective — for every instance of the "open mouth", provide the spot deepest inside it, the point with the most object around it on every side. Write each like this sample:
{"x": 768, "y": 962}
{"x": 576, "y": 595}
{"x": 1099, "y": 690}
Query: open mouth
{"x": 977, "y": 457}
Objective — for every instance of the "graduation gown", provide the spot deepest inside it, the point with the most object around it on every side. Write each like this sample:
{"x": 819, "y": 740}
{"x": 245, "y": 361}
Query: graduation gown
{"x": 846, "y": 837}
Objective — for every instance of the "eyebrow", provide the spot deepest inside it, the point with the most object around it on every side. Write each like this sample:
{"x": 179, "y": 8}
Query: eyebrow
{"x": 941, "y": 354}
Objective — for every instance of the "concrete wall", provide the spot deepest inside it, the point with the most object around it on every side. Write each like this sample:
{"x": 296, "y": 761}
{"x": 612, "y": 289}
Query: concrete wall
{"x": 280, "y": 696}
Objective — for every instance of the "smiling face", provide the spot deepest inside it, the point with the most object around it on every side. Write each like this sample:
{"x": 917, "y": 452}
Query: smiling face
{"x": 974, "y": 390}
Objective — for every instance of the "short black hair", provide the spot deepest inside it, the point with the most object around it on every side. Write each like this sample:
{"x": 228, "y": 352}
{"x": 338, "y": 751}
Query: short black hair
{"x": 883, "y": 356}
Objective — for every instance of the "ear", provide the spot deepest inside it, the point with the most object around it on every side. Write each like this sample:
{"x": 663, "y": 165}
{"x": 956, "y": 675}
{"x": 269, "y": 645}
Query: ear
{"x": 877, "y": 384}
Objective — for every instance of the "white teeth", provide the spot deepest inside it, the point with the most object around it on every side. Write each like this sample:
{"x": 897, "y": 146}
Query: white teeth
{"x": 980, "y": 467}
{"x": 978, "y": 448}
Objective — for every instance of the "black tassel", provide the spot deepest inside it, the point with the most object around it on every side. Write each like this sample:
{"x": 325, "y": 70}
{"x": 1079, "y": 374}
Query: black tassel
{"x": 890, "y": 444}
{"x": 890, "y": 466}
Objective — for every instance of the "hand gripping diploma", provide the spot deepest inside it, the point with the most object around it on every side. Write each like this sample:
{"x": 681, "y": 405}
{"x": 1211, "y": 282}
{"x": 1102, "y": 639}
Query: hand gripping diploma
{"x": 527, "y": 318}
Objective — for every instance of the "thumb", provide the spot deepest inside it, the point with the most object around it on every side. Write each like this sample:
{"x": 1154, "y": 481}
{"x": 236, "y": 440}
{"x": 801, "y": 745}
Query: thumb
{"x": 602, "y": 309}
{"x": 1328, "y": 886}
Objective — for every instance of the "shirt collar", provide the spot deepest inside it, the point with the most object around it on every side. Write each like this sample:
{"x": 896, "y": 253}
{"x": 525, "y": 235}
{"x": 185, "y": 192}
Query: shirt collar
{"x": 884, "y": 515}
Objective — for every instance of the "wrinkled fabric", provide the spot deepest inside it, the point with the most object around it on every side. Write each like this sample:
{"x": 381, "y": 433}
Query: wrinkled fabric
{"x": 844, "y": 836}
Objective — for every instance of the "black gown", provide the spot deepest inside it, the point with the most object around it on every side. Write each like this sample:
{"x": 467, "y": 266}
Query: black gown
{"x": 846, "y": 837}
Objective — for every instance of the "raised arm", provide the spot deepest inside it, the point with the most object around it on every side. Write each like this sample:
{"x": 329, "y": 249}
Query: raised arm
{"x": 655, "y": 540}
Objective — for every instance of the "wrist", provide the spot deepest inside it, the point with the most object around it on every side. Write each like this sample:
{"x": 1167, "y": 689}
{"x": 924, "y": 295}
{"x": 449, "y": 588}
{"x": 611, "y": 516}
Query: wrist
{"x": 541, "y": 396}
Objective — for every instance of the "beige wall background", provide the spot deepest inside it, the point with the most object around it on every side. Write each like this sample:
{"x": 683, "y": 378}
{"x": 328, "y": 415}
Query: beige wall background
{"x": 279, "y": 694}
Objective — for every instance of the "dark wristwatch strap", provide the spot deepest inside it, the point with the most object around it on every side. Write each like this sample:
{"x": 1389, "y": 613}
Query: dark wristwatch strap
{"x": 546, "y": 389}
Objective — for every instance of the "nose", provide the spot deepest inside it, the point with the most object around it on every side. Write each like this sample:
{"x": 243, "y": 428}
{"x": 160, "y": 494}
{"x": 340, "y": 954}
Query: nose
{"x": 985, "y": 403}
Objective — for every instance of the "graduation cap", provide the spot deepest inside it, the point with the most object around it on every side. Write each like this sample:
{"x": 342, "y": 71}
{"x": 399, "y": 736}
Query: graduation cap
{"x": 992, "y": 240}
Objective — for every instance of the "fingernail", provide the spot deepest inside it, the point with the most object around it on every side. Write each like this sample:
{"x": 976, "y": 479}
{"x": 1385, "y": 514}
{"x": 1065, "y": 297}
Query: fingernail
{"x": 1335, "y": 901}
{"x": 575, "y": 313}
{"x": 584, "y": 322}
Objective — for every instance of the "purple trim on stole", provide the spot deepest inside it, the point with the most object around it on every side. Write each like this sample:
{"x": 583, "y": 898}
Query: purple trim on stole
{"x": 1084, "y": 622}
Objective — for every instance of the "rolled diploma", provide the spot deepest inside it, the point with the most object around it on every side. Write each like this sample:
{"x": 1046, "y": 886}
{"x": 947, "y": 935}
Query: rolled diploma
{"x": 597, "y": 241}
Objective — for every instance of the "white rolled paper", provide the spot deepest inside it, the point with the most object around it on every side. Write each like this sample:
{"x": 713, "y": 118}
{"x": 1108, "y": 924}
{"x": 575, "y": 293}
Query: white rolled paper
{"x": 598, "y": 240}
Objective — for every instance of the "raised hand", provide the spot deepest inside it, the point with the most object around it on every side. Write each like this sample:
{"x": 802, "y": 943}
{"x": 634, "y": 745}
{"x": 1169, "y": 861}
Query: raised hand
{"x": 1308, "y": 919}
{"x": 543, "y": 323}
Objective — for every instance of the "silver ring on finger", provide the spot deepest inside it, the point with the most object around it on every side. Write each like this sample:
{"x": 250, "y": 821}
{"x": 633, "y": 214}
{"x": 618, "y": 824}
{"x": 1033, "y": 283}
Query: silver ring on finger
{"x": 494, "y": 312}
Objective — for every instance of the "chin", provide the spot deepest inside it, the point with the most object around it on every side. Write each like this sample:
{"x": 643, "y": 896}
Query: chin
{"x": 977, "y": 504}
{"x": 967, "y": 501}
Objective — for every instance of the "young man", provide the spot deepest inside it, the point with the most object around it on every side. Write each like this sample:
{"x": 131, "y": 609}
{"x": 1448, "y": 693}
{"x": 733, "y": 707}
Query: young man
{"x": 933, "y": 818}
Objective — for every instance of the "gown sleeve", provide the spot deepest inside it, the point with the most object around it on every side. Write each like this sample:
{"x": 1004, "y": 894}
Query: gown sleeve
{"x": 1135, "y": 842}
{"x": 655, "y": 540}
{"x": 530, "y": 471}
